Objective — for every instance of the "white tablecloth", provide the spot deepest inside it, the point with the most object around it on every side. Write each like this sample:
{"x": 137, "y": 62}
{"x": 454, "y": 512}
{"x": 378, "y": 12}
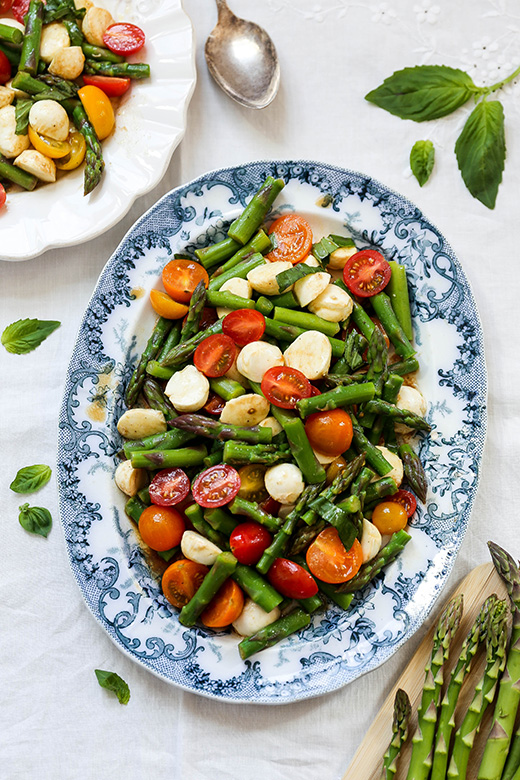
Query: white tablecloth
{"x": 56, "y": 722}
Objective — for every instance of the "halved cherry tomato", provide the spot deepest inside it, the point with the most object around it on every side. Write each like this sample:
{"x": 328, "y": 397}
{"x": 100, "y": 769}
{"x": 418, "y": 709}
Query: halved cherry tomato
{"x": 284, "y": 386}
{"x": 271, "y": 506}
{"x": 19, "y": 8}
{"x": 224, "y": 607}
{"x": 112, "y": 86}
{"x": 3, "y": 196}
{"x": 181, "y": 276}
{"x": 244, "y": 326}
{"x": 5, "y": 5}
{"x": 291, "y": 580}
{"x": 330, "y": 561}
{"x": 48, "y": 146}
{"x": 329, "y": 432}
{"x": 293, "y": 236}
{"x": 214, "y": 404}
{"x": 248, "y": 541}
{"x": 5, "y": 68}
{"x": 78, "y": 148}
{"x": 182, "y": 580}
{"x": 252, "y": 484}
{"x": 161, "y": 527}
{"x": 366, "y": 273}
{"x": 216, "y": 486}
{"x": 166, "y": 307}
{"x": 169, "y": 487}
{"x": 406, "y": 499}
{"x": 124, "y": 38}
{"x": 215, "y": 355}
{"x": 98, "y": 109}
{"x": 389, "y": 517}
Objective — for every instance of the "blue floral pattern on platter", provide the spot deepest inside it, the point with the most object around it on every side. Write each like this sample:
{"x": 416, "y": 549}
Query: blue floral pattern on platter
{"x": 117, "y": 581}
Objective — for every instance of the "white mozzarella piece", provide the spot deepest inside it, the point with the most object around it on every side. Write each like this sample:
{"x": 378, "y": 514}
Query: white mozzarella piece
{"x": 311, "y": 260}
{"x": 83, "y": 4}
{"x": 284, "y": 482}
{"x": 333, "y": 304}
{"x": 395, "y": 461}
{"x": 338, "y": 258}
{"x": 11, "y": 145}
{"x": 255, "y": 358}
{"x": 414, "y": 401}
{"x": 309, "y": 287}
{"x": 6, "y": 96}
{"x": 68, "y": 63}
{"x": 128, "y": 479}
{"x": 54, "y": 37}
{"x": 235, "y": 374}
{"x": 188, "y": 390}
{"x": 198, "y": 549}
{"x": 248, "y": 410}
{"x": 310, "y": 353}
{"x": 38, "y": 164}
{"x": 49, "y": 118}
{"x": 272, "y": 423}
{"x": 370, "y": 541}
{"x": 263, "y": 277}
{"x": 237, "y": 286}
{"x": 137, "y": 423}
{"x": 94, "y": 25}
{"x": 253, "y": 618}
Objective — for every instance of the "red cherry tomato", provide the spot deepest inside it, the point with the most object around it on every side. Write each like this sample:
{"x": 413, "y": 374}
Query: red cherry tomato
{"x": 330, "y": 561}
{"x": 284, "y": 386}
{"x": 216, "y": 486}
{"x": 3, "y": 196}
{"x": 270, "y": 506}
{"x": 248, "y": 541}
{"x": 5, "y": 5}
{"x": 124, "y": 38}
{"x": 5, "y": 68}
{"x": 244, "y": 326}
{"x": 329, "y": 432}
{"x": 215, "y": 355}
{"x": 293, "y": 236}
{"x": 406, "y": 499}
{"x": 112, "y": 86}
{"x": 169, "y": 487}
{"x": 214, "y": 404}
{"x": 19, "y": 8}
{"x": 291, "y": 580}
{"x": 366, "y": 273}
{"x": 161, "y": 527}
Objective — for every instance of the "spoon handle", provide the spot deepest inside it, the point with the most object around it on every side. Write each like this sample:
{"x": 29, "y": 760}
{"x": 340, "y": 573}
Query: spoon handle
{"x": 223, "y": 9}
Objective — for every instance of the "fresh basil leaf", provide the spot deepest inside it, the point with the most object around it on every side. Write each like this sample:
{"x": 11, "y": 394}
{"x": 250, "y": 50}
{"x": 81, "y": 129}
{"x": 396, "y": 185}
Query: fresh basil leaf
{"x": 35, "y": 519}
{"x": 481, "y": 151}
{"x": 424, "y": 92}
{"x": 113, "y": 682}
{"x": 23, "y": 336}
{"x": 422, "y": 158}
{"x": 57, "y": 9}
{"x": 31, "y": 478}
{"x": 22, "y": 108}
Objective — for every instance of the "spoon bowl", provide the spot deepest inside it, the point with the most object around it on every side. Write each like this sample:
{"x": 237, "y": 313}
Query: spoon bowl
{"x": 242, "y": 59}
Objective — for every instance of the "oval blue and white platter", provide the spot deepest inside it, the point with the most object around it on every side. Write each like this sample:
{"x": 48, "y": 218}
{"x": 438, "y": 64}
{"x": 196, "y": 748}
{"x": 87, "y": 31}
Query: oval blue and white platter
{"x": 120, "y": 587}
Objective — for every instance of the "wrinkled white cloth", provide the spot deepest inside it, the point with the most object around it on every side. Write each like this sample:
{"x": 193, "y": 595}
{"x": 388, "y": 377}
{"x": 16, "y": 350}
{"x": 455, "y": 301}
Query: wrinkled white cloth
{"x": 56, "y": 723}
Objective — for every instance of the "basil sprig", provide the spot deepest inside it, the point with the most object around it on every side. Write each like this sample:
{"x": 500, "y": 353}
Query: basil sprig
{"x": 35, "y": 519}
{"x": 113, "y": 682}
{"x": 23, "y": 336}
{"x": 31, "y": 478}
{"x": 422, "y": 158}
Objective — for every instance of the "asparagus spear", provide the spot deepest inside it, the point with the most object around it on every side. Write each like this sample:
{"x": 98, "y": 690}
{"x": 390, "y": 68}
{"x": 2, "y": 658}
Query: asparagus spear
{"x": 156, "y": 399}
{"x": 304, "y": 536}
{"x": 182, "y": 352}
{"x": 215, "y": 253}
{"x": 196, "y": 517}
{"x": 254, "y": 213}
{"x": 258, "y": 589}
{"x": 228, "y": 300}
{"x": 92, "y": 52}
{"x": 226, "y": 388}
{"x": 383, "y": 309}
{"x": 403, "y": 367}
{"x": 128, "y": 70}
{"x": 221, "y": 570}
{"x": 259, "y": 243}
{"x": 16, "y": 175}
{"x": 135, "y": 385}
{"x": 274, "y": 633}
{"x": 373, "y": 456}
{"x": 94, "y": 163}
{"x": 282, "y": 331}
{"x": 241, "y": 506}
{"x": 414, "y": 471}
{"x": 512, "y": 767}
{"x": 372, "y": 568}
{"x": 397, "y": 289}
{"x": 240, "y": 270}
{"x": 30, "y": 55}
{"x": 402, "y": 712}
{"x": 169, "y": 440}
{"x": 165, "y": 459}
{"x": 415, "y": 421}
{"x": 333, "y": 399}
{"x": 237, "y": 453}
{"x": 192, "y": 321}
{"x": 305, "y": 320}
{"x": 421, "y": 758}
{"x": 212, "y": 429}
{"x": 9, "y": 34}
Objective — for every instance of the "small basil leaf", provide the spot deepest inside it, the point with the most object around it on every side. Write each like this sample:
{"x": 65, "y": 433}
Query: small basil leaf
{"x": 422, "y": 158}
{"x": 481, "y": 151}
{"x": 35, "y": 519}
{"x": 22, "y": 108}
{"x": 23, "y": 336}
{"x": 113, "y": 682}
{"x": 424, "y": 92}
{"x": 31, "y": 478}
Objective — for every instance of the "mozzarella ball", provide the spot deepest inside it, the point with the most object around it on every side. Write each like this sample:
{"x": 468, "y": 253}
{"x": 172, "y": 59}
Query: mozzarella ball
{"x": 370, "y": 540}
{"x": 128, "y": 479}
{"x": 6, "y": 96}
{"x": 311, "y": 260}
{"x": 237, "y": 286}
{"x": 54, "y": 38}
{"x": 308, "y": 288}
{"x": 49, "y": 118}
{"x": 414, "y": 401}
{"x": 255, "y": 358}
{"x": 333, "y": 304}
{"x": 95, "y": 24}
{"x": 138, "y": 423}
{"x": 263, "y": 277}
{"x": 253, "y": 618}
{"x": 284, "y": 482}
{"x": 68, "y": 63}
{"x": 397, "y": 472}
{"x": 247, "y": 410}
{"x": 338, "y": 258}
{"x": 38, "y": 164}
{"x": 310, "y": 353}
{"x": 11, "y": 145}
{"x": 234, "y": 374}
{"x": 199, "y": 549}
{"x": 188, "y": 390}
{"x": 272, "y": 423}
{"x": 83, "y": 4}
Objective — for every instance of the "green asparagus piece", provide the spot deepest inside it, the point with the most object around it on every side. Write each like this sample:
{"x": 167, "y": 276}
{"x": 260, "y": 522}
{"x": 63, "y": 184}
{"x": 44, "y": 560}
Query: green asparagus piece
{"x": 512, "y": 767}
{"x": 264, "y": 306}
{"x": 383, "y": 309}
{"x": 127, "y": 70}
{"x": 240, "y": 270}
{"x": 144, "y": 496}
{"x": 254, "y": 213}
{"x": 506, "y": 708}
{"x": 154, "y": 368}
{"x": 240, "y": 506}
{"x": 182, "y": 352}
{"x": 302, "y": 319}
{"x": 353, "y": 355}
{"x": 212, "y": 429}
{"x": 134, "y": 508}
{"x": 228, "y": 300}
{"x": 99, "y": 53}
{"x": 414, "y": 471}
{"x": 30, "y": 55}
{"x": 373, "y": 456}
{"x": 359, "y": 316}
{"x": 397, "y": 289}
{"x": 191, "y": 323}
{"x": 237, "y": 453}
{"x": 214, "y": 254}
{"x": 94, "y": 163}
{"x": 214, "y": 458}
{"x": 220, "y": 520}
{"x": 302, "y": 452}
{"x": 135, "y": 385}
{"x": 259, "y": 243}
{"x": 258, "y": 589}
{"x": 226, "y": 388}
{"x": 196, "y": 517}
{"x": 286, "y": 300}
{"x": 304, "y": 536}
{"x": 333, "y": 399}
{"x": 516, "y": 775}
{"x": 156, "y": 399}
{"x": 404, "y": 416}
{"x": 171, "y": 341}
{"x": 377, "y": 358}
{"x": 341, "y": 380}
{"x": 274, "y": 633}
{"x": 166, "y": 459}
{"x": 372, "y": 568}
{"x": 375, "y": 491}
{"x": 312, "y": 603}
{"x": 221, "y": 570}
{"x": 14, "y": 174}
{"x": 390, "y": 393}
{"x": 46, "y": 87}
{"x": 169, "y": 440}
{"x": 10, "y": 34}
{"x": 402, "y": 712}
{"x": 403, "y": 367}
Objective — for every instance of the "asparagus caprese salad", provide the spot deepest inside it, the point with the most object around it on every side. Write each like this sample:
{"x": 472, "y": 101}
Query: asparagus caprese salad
{"x": 269, "y": 425}
{"x": 61, "y": 63}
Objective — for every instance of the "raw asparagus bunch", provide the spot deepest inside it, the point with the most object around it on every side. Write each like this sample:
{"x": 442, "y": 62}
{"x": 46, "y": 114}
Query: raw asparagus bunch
{"x": 402, "y": 712}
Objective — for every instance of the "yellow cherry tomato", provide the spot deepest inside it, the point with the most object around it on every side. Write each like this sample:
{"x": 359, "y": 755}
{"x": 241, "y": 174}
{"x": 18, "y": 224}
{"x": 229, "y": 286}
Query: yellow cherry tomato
{"x": 166, "y": 307}
{"x": 252, "y": 485}
{"x": 98, "y": 109}
{"x": 389, "y": 517}
{"x": 48, "y": 146}
{"x": 78, "y": 148}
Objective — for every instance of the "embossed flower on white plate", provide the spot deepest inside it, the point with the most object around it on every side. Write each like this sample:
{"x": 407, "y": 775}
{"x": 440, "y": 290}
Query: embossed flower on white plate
{"x": 427, "y": 12}
{"x": 382, "y": 13}
{"x": 315, "y": 14}
{"x": 485, "y": 48}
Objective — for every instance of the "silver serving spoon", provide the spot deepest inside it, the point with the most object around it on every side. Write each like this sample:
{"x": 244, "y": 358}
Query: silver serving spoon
{"x": 242, "y": 59}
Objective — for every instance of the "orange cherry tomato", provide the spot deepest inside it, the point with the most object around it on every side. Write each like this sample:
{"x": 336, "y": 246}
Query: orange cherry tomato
{"x": 224, "y": 607}
{"x": 389, "y": 517}
{"x": 166, "y": 307}
{"x": 161, "y": 527}
{"x": 78, "y": 148}
{"x": 182, "y": 580}
{"x": 98, "y": 109}
{"x": 293, "y": 237}
{"x": 181, "y": 276}
{"x": 329, "y": 432}
{"x": 330, "y": 561}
